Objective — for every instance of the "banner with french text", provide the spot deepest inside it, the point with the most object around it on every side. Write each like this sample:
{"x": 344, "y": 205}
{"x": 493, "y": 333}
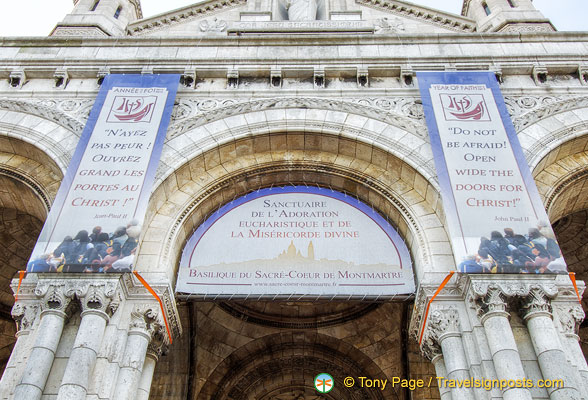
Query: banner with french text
{"x": 495, "y": 216}
{"x": 295, "y": 242}
{"x": 96, "y": 219}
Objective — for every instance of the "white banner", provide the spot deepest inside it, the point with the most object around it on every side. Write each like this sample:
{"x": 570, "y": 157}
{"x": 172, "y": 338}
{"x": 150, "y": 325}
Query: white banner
{"x": 295, "y": 242}
{"x": 496, "y": 218}
{"x": 95, "y": 222}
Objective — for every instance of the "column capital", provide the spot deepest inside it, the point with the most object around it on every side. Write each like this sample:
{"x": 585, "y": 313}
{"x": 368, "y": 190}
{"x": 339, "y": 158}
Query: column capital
{"x": 146, "y": 320}
{"x": 444, "y": 323}
{"x": 490, "y": 301}
{"x": 570, "y": 318}
{"x": 158, "y": 345}
{"x": 101, "y": 297}
{"x": 430, "y": 347}
{"x": 54, "y": 297}
{"x": 493, "y": 298}
{"x": 536, "y": 302}
{"x": 24, "y": 315}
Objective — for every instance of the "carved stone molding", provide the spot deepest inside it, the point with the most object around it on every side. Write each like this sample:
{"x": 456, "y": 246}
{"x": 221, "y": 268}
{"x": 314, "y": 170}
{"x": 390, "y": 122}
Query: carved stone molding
{"x": 24, "y": 315}
{"x": 132, "y": 289}
{"x": 547, "y": 109}
{"x": 396, "y": 112}
{"x": 527, "y": 28}
{"x": 570, "y": 318}
{"x": 448, "y": 21}
{"x": 182, "y": 15}
{"x": 430, "y": 347}
{"x": 454, "y": 291}
{"x": 88, "y": 31}
{"x": 512, "y": 287}
{"x": 568, "y": 180}
{"x": 42, "y": 110}
{"x": 536, "y": 302}
{"x": 491, "y": 297}
{"x": 102, "y": 292}
{"x": 30, "y": 182}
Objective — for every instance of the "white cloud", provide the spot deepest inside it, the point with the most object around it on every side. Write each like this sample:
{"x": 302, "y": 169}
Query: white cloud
{"x": 38, "y": 17}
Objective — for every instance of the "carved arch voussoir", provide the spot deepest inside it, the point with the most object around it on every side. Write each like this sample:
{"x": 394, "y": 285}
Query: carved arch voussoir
{"x": 45, "y": 112}
{"x": 389, "y": 117}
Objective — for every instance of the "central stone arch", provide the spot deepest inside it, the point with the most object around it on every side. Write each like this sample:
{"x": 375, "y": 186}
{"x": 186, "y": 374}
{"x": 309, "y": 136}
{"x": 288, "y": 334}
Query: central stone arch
{"x": 211, "y": 179}
{"x": 210, "y": 166}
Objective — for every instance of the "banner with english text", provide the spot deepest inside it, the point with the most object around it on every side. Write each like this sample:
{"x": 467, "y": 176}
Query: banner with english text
{"x": 495, "y": 216}
{"x": 97, "y": 216}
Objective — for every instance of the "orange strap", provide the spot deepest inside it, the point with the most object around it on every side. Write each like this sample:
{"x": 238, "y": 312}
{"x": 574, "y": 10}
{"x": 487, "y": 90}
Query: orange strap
{"x": 21, "y": 275}
{"x": 447, "y": 278}
{"x": 144, "y": 282}
{"x": 573, "y": 278}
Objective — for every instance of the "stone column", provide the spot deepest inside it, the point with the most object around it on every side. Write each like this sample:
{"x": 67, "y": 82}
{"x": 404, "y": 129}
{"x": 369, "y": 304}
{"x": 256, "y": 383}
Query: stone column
{"x": 143, "y": 324}
{"x": 444, "y": 325}
{"x": 536, "y": 311}
{"x": 53, "y": 315}
{"x": 24, "y": 315}
{"x": 154, "y": 351}
{"x": 570, "y": 318}
{"x": 492, "y": 309}
{"x": 432, "y": 351}
{"x": 95, "y": 301}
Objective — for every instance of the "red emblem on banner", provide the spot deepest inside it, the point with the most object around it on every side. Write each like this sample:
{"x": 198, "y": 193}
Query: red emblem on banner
{"x": 464, "y": 107}
{"x": 132, "y": 109}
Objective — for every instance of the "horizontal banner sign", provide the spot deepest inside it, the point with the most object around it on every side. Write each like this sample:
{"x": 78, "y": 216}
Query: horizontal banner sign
{"x": 495, "y": 216}
{"x": 295, "y": 242}
{"x": 95, "y": 221}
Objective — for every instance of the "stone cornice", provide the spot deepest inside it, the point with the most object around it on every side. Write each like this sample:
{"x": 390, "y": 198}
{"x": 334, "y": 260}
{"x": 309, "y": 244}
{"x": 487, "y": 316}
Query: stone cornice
{"x": 182, "y": 15}
{"x": 298, "y": 39}
{"x": 436, "y": 17}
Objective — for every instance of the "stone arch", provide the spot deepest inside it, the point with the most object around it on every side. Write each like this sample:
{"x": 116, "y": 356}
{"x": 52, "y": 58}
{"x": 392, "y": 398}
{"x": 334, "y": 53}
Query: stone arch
{"x": 226, "y": 171}
{"x": 562, "y": 180}
{"x": 288, "y": 362}
{"x": 29, "y": 180}
{"x": 47, "y": 138}
{"x": 402, "y": 137}
{"x": 561, "y": 176}
{"x": 234, "y": 353}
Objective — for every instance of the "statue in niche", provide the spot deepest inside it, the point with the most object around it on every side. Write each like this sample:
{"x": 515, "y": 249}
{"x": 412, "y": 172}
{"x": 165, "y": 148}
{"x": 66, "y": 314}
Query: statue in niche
{"x": 301, "y": 10}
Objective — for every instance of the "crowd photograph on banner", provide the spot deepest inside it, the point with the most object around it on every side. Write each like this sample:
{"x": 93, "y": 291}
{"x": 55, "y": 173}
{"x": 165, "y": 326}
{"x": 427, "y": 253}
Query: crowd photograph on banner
{"x": 508, "y": 252}
{"x": 92, "y": 251}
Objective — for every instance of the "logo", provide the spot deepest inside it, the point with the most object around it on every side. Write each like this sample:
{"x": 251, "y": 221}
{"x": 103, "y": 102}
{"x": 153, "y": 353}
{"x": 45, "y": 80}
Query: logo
{"x": 461, "y": 107}
{"x": 132, "y": 109}
{"x": 324, "y": 383}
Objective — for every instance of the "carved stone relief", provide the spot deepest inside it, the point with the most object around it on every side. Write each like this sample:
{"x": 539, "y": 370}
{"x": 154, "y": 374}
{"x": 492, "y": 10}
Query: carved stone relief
{"x": 570, "y": 317}
{"x": 213, "y": 25}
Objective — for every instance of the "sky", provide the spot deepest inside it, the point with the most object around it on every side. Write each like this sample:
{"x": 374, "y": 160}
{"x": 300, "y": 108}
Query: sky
{"x": 38, "y": 17}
